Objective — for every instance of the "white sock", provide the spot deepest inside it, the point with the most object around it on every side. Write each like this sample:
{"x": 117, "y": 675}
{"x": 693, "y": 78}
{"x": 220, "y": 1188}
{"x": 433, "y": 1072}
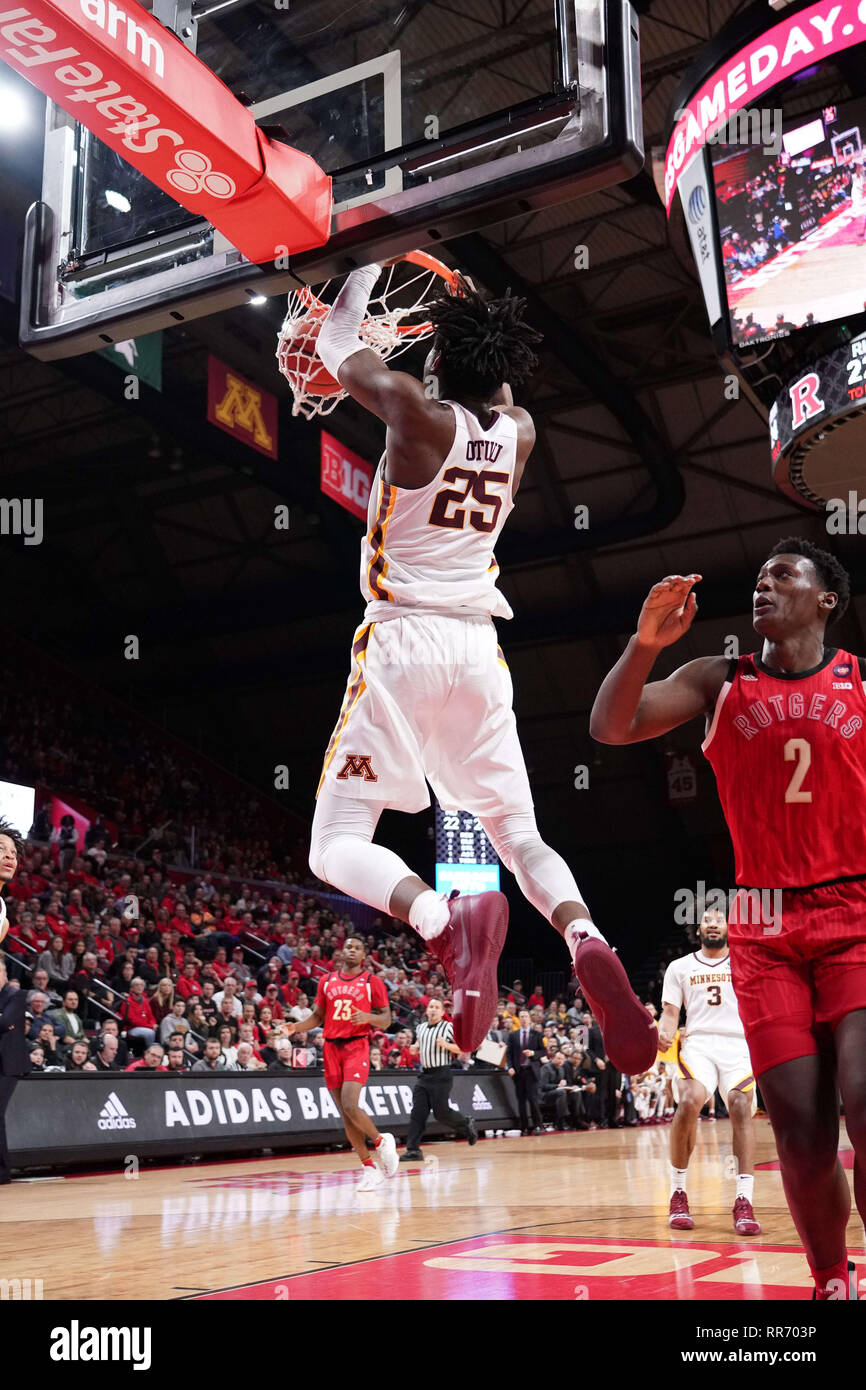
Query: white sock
{"x": 746, "y": 1186}
{"x": 578, "y": 931}
{"x": 429, "y": 913}
{"x": 678, "y": 1179}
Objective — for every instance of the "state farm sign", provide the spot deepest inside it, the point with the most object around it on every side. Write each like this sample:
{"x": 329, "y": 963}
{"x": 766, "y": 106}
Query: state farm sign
{"x": 346, "y": 477}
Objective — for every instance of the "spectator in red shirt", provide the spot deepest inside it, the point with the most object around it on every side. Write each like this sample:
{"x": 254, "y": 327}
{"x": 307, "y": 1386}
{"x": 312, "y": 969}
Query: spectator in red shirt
{"x": 136, "y": 1015}
{"x": 221, "y": 966}
{"x": 272, "y": 1000}
{"x": 536, "y": 999}
{"x": 151, "y": 1061}
{"x": 187, "y": 984}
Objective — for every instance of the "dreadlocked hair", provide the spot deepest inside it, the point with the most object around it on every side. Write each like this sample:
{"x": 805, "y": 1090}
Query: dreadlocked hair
{"x": 484, "y": 343}
{"x": 14, "y": 835}
{"x": 832, "y": 576}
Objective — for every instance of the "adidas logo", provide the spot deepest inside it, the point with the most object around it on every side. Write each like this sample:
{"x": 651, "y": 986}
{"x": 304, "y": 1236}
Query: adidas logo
{"x": 480, "y": 1101}
{"x": 114, "y": 1114}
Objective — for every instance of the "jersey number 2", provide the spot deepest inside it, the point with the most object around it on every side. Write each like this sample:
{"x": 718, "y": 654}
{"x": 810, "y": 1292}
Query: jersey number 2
{"x": 439, "y": 514}
{"x": 800, "y": 751}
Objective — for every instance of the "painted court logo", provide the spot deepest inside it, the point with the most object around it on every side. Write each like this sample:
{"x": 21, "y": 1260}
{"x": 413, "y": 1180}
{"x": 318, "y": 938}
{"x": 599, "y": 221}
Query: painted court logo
{"x": 77, "y": 1343}
{"x": 114, "y": 1114}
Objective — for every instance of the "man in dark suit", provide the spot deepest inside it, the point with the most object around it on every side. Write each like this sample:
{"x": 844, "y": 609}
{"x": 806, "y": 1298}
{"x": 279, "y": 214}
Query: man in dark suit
{"x": 560, "y": 1090}
{"x": 524, "y": 1054}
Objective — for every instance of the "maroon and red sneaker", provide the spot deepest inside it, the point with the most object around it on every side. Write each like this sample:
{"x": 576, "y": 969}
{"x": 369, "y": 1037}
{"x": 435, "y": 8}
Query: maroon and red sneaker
{"x": 631, "y": 1038}
{"x": 678, "y": 1215}
{"x": 469, "y": 949}
{"x": 744, "y": 1218}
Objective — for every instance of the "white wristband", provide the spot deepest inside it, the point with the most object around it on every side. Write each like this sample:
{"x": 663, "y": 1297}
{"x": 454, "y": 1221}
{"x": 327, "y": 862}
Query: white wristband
{"x": 338, "y": 337}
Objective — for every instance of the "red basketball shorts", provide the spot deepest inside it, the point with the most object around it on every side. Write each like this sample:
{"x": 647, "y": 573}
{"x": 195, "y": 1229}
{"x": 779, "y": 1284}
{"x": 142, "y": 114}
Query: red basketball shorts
{"x": 795, "y": 978}
{"x": 347, "y": 1061}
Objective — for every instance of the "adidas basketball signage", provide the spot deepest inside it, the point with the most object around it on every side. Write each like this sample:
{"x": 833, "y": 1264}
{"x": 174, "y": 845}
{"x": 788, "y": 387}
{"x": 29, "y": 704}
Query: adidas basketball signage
{"x": 480, "y": 1101}
{"x": 114, "y": 1114}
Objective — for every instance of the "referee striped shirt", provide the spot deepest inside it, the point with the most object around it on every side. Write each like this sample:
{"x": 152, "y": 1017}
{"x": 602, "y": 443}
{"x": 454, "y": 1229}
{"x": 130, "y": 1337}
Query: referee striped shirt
{"x": 428, "y": 1038}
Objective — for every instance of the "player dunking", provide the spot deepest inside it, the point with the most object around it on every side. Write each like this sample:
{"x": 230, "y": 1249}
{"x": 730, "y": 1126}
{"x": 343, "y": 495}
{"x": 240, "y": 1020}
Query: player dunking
{"x": 339, "y": 1011}
{"x": 786, "y": 737}
{"x": 430, "y": 695}
{"x": 712, "y": 1053}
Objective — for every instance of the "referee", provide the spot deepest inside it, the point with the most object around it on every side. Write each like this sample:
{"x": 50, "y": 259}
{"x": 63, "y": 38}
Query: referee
{"x": 435, "y": 1043}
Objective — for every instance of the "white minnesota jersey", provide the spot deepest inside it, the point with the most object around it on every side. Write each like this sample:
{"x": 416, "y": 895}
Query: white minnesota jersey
{"x": 431, "y": 548}
{"x": 705, "y": 988}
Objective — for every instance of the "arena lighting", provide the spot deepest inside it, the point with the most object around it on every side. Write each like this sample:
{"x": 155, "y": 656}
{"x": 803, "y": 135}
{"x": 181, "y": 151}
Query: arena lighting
{"x": 256, "y": 300}
{"x": 14, "y": 115}
{"x": 117, "y": 201}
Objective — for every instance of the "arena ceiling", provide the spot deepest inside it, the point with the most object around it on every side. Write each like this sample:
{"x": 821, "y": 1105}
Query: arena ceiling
{"x": 159, "y": 525}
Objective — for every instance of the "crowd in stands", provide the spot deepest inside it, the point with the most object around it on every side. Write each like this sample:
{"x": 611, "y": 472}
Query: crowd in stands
{"x": 188, "y": 813}
{"x": 768, "y": 214}
{"x": 126, "y": 969}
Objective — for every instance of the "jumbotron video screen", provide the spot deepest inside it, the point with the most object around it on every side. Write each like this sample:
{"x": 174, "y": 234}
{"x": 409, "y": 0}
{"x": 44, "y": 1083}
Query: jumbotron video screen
{"x": 792, "y": 224}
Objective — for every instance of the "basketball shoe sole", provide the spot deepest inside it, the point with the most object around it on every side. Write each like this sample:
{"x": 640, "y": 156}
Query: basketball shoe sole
{"x": 468, "y": 949}
{"x": 630, "y": 1036}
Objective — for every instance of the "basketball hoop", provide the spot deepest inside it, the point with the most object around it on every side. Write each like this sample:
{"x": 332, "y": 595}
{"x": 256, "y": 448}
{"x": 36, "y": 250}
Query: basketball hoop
{"x": 394, "y": 322}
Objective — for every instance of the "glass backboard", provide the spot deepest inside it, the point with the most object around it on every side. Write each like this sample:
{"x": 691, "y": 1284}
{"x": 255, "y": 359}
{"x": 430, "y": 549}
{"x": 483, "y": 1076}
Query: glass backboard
{"x": 433, "y": 118}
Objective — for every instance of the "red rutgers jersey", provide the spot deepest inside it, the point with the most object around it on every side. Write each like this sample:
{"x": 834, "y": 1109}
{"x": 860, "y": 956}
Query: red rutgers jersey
{"x": 789, "y": 754}
{"x": 339, "y": 995}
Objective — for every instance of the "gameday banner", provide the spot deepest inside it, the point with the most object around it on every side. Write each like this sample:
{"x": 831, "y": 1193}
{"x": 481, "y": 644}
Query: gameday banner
{"x": 114, "y": 68}
{"x": 241, "y": 408}
{"x": 346, "y": 477}
{"x": 55, "y": 1119}
{"x": 796, "y": 43}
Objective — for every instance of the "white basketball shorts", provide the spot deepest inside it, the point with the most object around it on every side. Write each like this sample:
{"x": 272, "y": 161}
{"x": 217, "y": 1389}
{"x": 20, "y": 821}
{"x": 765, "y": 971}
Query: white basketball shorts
{"x": 429, "y": 699}
{"x": 718, "y": 1060}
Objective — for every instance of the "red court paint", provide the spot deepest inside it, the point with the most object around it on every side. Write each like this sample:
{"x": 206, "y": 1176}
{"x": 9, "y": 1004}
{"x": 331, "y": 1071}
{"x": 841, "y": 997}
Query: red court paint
{"x": 523, "y": 1267}
{"x": 846, "y": 1158}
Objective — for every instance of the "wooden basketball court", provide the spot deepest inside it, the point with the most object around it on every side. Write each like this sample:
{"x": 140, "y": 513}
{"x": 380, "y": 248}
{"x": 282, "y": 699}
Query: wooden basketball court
{"x": 559, "y": 1216}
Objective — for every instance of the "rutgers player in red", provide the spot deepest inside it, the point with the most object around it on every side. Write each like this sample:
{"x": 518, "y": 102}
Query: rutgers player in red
{"x": 339, "y": 1009}
{"x": 786, "y": 737}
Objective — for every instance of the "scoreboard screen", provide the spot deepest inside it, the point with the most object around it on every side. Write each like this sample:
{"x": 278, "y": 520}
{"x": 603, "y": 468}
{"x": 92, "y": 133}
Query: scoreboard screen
{"x": 465, "y": 858}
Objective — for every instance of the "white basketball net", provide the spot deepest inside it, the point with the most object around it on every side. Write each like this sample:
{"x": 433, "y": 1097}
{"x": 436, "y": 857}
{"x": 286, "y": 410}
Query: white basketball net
{"x": 395, "y": 321}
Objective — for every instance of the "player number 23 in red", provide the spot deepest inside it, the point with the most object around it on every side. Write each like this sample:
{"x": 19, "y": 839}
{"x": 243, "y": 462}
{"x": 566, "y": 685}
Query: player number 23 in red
{"x": 343, "y": 1010}
{"x": 440, "y": 513}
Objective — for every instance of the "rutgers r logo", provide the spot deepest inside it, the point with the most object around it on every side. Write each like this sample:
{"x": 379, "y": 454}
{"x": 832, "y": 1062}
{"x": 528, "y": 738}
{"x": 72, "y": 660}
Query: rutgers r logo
{"x": 357, "y": 765}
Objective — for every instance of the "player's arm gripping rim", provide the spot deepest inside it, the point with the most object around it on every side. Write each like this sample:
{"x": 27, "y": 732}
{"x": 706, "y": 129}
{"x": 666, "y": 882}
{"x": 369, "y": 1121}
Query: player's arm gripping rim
{"x": 420, "y": 430}
{"x": 627, "y": 709}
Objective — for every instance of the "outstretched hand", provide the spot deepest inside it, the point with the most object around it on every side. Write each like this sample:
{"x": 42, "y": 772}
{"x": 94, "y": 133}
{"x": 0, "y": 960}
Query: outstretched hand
{"x": 668, "y": 611}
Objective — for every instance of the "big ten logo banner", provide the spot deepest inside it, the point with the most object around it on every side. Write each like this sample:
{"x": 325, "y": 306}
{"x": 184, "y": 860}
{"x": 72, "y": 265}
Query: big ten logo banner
{"x": 241, "y": 408}
{"x": 346, "y": 477}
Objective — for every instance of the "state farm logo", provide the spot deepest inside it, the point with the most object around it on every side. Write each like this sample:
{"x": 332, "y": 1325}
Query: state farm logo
{"x": 114, "y": 1114}
{"x": 196, "y": 174}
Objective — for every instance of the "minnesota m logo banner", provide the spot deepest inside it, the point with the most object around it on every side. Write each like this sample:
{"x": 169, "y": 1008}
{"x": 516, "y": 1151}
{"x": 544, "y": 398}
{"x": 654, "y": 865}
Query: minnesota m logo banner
{"x": 241, "y": 408}
{"x": 357, "y": 765}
